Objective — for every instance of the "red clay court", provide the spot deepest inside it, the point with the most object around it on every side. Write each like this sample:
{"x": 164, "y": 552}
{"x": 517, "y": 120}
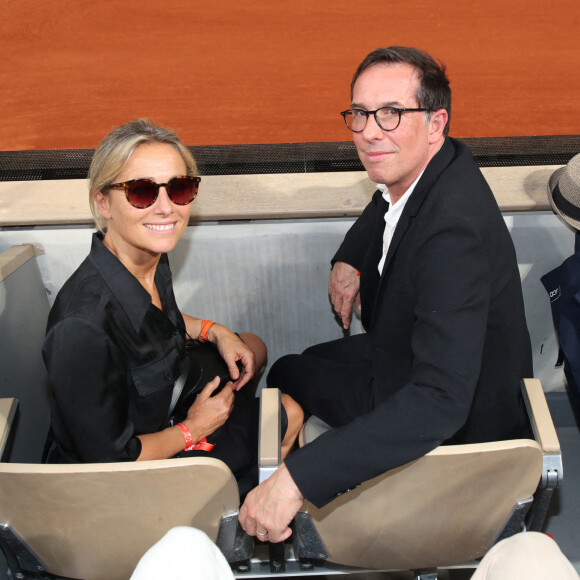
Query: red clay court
{"x": 270, "y": 72}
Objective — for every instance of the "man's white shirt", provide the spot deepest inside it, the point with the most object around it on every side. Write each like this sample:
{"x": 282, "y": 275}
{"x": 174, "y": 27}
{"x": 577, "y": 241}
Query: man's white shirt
{"x": 392, "y": 216}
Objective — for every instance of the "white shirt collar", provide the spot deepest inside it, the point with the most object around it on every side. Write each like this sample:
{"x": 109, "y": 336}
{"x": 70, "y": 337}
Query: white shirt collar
{"x": 392, "y": 216}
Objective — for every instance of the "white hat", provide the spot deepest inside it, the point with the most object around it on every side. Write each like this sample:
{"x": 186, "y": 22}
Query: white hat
{"x": 564, "y": 192}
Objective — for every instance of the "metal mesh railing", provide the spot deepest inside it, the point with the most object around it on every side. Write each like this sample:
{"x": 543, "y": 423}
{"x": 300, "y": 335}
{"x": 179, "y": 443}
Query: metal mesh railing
{"x": 290, "y": 157}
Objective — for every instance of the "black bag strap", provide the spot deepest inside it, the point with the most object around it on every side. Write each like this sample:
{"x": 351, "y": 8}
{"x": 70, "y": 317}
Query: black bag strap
{"x": 178, "y": 386}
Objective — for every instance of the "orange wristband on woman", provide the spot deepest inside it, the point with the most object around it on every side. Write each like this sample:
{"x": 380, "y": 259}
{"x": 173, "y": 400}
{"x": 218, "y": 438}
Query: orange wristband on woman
{"x": 202, "y": 444}
{"x": 205, "y": 326}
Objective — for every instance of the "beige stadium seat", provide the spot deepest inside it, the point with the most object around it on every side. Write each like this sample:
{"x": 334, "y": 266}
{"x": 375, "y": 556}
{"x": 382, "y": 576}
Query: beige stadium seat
{"x": 448, "y": 507}
{"x": 94, "y": 521}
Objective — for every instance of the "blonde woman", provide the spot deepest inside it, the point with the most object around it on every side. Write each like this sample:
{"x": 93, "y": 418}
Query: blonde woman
{"x": 115, "y": 342}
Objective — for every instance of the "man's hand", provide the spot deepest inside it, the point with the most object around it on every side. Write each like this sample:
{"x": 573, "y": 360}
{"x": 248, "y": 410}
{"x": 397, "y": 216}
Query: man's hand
{"x": 270, "y": 507}
{"x": 343, "y": 289}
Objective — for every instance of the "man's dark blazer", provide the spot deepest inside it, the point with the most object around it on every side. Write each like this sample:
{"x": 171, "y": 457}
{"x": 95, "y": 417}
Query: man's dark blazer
{"x": 446, "y": 325}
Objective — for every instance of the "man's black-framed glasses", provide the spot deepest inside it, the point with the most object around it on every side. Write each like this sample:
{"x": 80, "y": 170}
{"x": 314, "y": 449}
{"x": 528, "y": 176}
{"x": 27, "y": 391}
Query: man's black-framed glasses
{"x": 387, "y": 118}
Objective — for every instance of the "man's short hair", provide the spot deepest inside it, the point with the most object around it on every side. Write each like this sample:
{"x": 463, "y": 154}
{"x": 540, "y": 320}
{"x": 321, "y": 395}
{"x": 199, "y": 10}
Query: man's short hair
{"x": 434, "y": 92}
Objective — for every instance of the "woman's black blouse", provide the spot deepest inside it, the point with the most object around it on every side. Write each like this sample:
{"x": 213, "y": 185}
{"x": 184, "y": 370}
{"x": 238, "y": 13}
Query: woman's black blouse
{"x": 112, "y": 358}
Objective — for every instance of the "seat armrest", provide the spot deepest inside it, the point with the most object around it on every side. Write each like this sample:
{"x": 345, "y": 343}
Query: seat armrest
{"x": 539, "y": 415}
{"x": 269, "y": 444}
{"x": 14, "y": 257}
{"x": 8, "y": 408}
{"x": 546, "y": 436}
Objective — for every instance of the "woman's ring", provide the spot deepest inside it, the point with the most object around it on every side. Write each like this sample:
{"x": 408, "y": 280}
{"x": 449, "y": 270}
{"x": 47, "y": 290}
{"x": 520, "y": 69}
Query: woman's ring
{"x": 265, "y": 533}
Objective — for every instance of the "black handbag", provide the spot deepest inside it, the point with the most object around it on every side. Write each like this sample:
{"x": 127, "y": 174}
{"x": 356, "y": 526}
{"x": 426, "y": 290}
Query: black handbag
{"x": 201, "y": 364}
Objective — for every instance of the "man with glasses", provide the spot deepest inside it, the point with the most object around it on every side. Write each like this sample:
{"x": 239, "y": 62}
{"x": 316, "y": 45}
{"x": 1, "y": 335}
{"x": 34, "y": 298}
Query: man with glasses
{"x": 433, "y": 269}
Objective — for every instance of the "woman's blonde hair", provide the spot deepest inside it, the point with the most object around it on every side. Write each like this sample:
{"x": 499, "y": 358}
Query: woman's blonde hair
{"x": 115, "y": 150}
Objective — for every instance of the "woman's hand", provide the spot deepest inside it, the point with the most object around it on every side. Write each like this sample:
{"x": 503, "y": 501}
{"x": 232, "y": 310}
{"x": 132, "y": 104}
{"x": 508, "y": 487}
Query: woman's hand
{"x": 209, "y": 413}
{"x": 232, "y": 349}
